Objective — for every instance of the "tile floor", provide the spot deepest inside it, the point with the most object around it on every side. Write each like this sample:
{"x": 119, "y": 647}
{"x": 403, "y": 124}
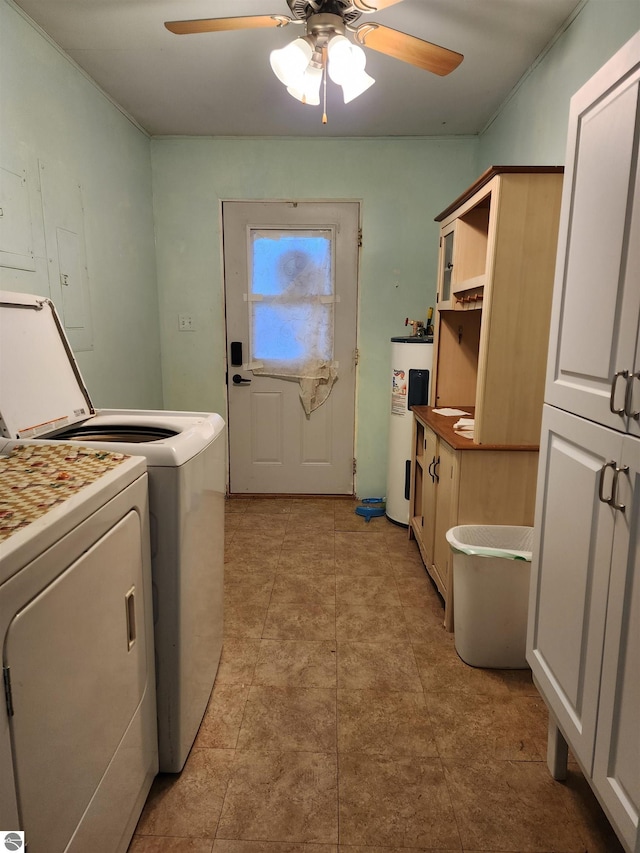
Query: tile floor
{"x": 342, "y": 720}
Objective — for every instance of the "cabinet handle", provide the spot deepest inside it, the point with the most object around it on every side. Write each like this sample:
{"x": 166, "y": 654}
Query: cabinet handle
{"x": 612, "y": 397}
{"x": 628, "y": 397}
{"x": 435, "y": 473}
{"x": 429, "y": 471}
{"x": 606, "y": 465}
{"x": 614, "y": 488}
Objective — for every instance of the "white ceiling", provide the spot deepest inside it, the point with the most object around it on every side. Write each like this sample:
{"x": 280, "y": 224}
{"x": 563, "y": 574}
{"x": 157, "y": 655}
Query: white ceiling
{"x": 221, "y": 84}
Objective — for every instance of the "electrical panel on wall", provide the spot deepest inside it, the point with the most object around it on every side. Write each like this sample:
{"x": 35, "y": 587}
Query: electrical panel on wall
{"x": 16, "y": 242}
{"x": 63, "y": 214}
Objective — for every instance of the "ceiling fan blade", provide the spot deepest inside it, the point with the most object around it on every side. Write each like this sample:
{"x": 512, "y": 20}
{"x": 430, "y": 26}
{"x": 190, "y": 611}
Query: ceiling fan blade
{"x": 374, "y": 5}
{"x": 415, "y": 51}
{"x": 215, "y": 25}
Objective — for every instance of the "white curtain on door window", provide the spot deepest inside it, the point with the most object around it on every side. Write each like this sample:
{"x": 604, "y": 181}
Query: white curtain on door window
{"x": 291, "y": 310}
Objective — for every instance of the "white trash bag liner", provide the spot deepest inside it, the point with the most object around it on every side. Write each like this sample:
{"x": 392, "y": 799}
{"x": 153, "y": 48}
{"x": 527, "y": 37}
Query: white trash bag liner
{"x": 510, "y": 543}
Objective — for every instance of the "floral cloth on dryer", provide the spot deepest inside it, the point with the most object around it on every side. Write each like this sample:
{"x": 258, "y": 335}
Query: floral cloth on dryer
{"x": 36, "y": 477}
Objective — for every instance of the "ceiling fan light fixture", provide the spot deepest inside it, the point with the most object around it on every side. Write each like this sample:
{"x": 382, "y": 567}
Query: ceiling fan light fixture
{"x": 356, "y": 86}
{"x": 340, "y": 58}
{"x": 346, "y": 67}
{"x": 289, "y": 63}
{"x": 307, "y": 87}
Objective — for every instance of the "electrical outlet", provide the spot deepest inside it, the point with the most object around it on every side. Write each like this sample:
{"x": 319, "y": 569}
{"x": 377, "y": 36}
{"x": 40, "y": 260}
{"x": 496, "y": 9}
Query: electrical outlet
{"x": 185, "y": 323}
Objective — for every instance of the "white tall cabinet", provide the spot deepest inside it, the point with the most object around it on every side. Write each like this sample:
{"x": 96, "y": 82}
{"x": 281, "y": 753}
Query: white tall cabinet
{"x": 583, "y": 640}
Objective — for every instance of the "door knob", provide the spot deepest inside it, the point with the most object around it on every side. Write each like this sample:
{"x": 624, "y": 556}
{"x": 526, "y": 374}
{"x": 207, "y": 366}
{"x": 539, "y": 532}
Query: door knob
{"x": 239, "y": 380}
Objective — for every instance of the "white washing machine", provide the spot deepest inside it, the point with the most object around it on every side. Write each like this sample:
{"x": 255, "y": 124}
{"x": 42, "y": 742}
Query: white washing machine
{"x": 42, "y": 395}
{"x": 78, "y": 741}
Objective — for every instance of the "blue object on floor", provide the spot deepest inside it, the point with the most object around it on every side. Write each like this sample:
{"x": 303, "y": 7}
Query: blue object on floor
{"x": 372, "y": 507}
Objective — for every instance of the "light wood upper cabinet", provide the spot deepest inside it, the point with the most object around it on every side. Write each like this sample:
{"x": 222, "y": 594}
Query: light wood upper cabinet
{"x": 495, "y": 278}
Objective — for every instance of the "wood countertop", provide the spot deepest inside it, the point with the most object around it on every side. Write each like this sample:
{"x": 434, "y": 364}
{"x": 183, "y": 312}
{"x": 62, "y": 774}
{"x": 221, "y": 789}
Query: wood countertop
{"x": 442, "y": 425}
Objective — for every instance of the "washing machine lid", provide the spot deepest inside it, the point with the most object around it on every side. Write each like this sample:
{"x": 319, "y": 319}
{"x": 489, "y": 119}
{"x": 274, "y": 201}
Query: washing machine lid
{"x": 41, "y": 388}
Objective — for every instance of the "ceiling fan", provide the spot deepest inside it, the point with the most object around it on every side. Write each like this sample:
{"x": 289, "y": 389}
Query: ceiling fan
{"x": 301, "y": 65}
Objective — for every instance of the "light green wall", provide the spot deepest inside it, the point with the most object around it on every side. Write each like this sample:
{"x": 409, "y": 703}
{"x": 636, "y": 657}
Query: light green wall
{"x": 401, "y": 184}
{"x": 531, "y": 128}
{"x": 50, "y": 111}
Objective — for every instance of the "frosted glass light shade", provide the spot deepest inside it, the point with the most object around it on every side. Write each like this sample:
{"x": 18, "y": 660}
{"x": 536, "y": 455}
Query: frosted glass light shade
{"x": 289, "y": 62}
{"x": 346, "y": 67}
{"x": 356, "y": 85}
{"x": 340, "y": 58}
{"x": 307, "y": 87}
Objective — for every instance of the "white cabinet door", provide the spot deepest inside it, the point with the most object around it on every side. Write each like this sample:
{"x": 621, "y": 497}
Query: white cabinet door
{"x": 616, "y": 772}
{"x": 570, "y": 571}
{"x": 597, "y": 298}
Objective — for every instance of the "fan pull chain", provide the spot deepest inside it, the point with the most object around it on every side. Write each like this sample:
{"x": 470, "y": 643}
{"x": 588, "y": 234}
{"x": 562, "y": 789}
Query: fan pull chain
{"x": 324, "y": 78}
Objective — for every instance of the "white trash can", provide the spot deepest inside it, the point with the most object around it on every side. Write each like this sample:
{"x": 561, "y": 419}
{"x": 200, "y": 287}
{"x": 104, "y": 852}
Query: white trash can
{"x": 491, "y": 571}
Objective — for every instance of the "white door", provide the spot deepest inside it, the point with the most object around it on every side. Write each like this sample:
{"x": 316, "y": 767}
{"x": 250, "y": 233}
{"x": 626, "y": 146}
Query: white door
{"x": 597, "y": 298}
{"x": 291, "y": 273}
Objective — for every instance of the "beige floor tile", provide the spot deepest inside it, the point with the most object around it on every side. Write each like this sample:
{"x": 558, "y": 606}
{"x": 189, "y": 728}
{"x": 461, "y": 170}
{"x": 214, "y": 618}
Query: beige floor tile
{"x": 300, "y": 622}
{"x": 296, "y": 663}
{"x": 500, "y": 726}
{"x": 312, "y": 507}
{"x": 401, "y": 849}
{"x": 237, "y": 661}
{"x": 392, "y": 724}
{"x": 511, "y": 805}
{"x": 375, "y": 564}
{"x": 189, "y": 804}
{"x": 418, "y": 592}
{"x": 288, "y": 797}
{"x": 409, "y": 566}
{"x": 424, "y": 625}
{"x": 366, "y": 591}
{"x": 307, "y": 560}
{"x": 442, "y": 671}
{"x": 252, "y": 557}
{"x": 395, "y": 802}
{"x": 289, "y": 720}
{"x": 309, "y": 540}
{"x": 248, "y": 588}
{"x": 299, "y": 524}
{"x": 374, "y": 624}
{"x": 221, "y": 722}
{"x": 357, "y": 544}
{"x": 270, "y": 847}
{"x": 377, "y": 666}
{"x": 270, "y": 506}
{"x": 471, "y": 746}
{"x": 244, "y": 620}
{"x": 152, "y": 844}
{"x": 236, "y": 505}
{"x": 263, "y": 525}
{"x": 304, "y": 588}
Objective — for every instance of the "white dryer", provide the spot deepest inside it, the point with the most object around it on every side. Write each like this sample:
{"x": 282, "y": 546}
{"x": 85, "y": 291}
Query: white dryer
{"x": 43, "y": 395}
{"x": 78, "y": 742}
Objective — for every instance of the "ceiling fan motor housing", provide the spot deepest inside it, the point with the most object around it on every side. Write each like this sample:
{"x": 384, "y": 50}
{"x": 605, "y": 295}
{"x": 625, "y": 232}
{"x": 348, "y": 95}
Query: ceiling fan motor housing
{"x": 345, "y": 9}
